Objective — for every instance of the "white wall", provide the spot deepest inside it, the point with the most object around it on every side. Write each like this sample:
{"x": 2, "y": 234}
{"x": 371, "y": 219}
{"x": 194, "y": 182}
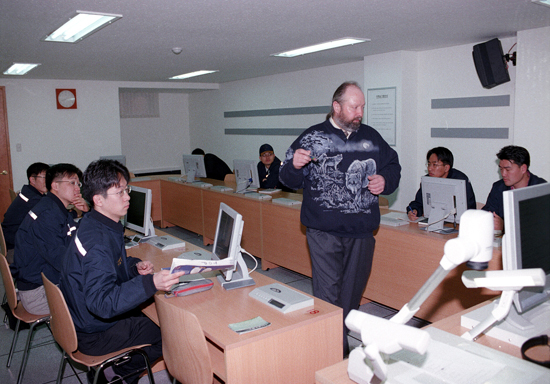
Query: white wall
{"x": 297, "y": 89}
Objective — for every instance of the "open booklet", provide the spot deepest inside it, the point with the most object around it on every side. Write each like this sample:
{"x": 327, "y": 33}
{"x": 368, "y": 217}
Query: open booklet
{"x": 197, "y": 266}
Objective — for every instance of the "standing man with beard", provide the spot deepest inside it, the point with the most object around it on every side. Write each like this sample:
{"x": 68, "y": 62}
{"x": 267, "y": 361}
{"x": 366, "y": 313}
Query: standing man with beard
{"x": 342, "y": 166}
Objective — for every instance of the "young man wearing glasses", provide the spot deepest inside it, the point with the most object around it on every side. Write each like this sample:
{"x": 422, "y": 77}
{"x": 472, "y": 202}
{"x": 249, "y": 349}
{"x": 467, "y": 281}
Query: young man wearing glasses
{"x": 440, "y": 164}
{"x": 45, "y": 234}
{"x": 268, "y": 168}
{"x": 29, "y": 196}
{"x": 102, "y": 286}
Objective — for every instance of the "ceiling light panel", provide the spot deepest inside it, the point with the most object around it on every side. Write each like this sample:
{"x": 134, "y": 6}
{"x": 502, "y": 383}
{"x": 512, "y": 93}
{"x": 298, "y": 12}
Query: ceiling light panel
{"x": 20, "y": 69}
{"x": 192, "y": 74}
{"x": 321, "y": 47}
{"x": 81, "y": 26}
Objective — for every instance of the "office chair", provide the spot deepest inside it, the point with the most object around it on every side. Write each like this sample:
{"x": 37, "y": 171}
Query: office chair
{"x": 64, "y": 333}
{"x": 185, "y": 351}
{"x": 21, "y": 315}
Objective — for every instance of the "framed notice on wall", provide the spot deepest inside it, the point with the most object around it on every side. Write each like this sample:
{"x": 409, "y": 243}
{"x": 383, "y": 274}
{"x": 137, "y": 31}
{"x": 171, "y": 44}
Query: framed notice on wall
{"x": 381, "y": 112}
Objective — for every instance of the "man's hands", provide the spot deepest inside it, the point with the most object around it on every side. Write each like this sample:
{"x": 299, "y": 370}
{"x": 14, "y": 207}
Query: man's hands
{"x": 164, "y": 279}
{"x": 498, "y": 222}
{"x": 145, "y": 267}
{"x": 376, "y": 184}
{"x": 413, "y": 215}
{"x": 80, "y": 203}
{"x": 301, "y": 158}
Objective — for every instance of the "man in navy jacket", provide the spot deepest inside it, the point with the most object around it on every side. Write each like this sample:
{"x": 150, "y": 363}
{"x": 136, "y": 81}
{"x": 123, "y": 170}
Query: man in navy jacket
{"x": 342, "y": 166}
{"x": 44, "y": 235}
{"x": 101, "y": 285}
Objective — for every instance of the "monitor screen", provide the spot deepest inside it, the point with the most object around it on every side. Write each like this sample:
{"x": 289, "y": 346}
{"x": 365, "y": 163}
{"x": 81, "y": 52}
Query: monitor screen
{"x": 526, "y": 242}
{"x": 444, "y": 200}
{"x": 227, "y": 242}
{"x": 138, "y": 217}
{"x": 193, "y": 166}
{"x": 120, "y": 158}
{"x": 246, "y": 175}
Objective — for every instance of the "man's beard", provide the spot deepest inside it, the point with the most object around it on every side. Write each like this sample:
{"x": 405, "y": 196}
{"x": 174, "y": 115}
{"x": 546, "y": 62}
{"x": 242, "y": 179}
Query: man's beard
{"x": 348, "y": 126}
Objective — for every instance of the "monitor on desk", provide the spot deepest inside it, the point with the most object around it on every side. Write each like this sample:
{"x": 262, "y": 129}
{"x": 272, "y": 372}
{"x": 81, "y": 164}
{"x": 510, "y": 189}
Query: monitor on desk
{"x": 444, "y": 200}
{"x": 246, "y": 175}
{"x": 138, "y": 217}
{"x": 193, "y": 166}
{"x": 120, "y": 158}
{"x": 527, "y": 239}
{"x": 227, "y": 247}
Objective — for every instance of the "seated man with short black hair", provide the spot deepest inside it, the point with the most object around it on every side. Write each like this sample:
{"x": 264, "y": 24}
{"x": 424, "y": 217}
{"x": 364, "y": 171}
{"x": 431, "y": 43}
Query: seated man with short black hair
{"x": 101, "y": 285}
{"x": 514, "y": 168}
{"x": 29, "y": 196}
{"x": 44, "y": 235}
{"x": 440, "y": 164}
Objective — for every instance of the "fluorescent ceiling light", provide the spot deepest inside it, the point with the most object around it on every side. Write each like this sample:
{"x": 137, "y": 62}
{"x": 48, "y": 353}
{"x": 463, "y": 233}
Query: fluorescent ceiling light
{"x": 321, "y": 47}
{"x": 191, "y": 74}
{"x": 542, "y": 2}
{"x": 80, "y": 26}
{"x": 20, "y": 68}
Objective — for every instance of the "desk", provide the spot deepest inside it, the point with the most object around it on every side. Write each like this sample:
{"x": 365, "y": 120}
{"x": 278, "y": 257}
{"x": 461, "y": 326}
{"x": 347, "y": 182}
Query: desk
{"x": 290, "y": 350}
{"x": 404, "y": 257}
{"x": 337, "y": 373}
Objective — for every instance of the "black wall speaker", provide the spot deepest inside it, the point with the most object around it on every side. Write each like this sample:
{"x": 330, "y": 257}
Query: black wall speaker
{"x": 490, "y": 63}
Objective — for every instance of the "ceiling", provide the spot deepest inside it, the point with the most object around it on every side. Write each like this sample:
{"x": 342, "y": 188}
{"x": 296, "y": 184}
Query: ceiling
{"x": 237, "y": 37}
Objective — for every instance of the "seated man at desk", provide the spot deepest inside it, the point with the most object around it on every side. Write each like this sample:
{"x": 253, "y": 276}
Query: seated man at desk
{"x": 215, "y": 167}
{"x": 29, "y": 196}
{"x": 44, "y": 235}
{"x": 268, "y": 168}
{"x": 440, "y": 164}
{"x": 514, "y": 168}
{"x": 102, "y": 286}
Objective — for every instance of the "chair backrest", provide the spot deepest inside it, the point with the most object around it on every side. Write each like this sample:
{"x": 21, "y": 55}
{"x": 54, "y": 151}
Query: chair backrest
{"x": 183, "y": 344}
{"x": 61, "y": 322}
{"x": 3, "y": 247}
{"x": 383, "y": 202}
{"x": 13, "y": 194}
{"x": 9, "y": 286}
{"x": 230, "y": 178}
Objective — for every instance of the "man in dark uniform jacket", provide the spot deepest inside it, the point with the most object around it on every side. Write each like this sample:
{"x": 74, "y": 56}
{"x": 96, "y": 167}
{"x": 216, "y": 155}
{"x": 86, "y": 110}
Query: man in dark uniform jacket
{"x": 268, "y": 168}
{"x": 215, "y": 167}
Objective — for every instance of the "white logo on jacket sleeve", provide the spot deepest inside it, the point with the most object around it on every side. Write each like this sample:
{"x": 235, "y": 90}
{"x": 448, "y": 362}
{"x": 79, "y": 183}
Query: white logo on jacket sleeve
{"x": 79, "y": 246}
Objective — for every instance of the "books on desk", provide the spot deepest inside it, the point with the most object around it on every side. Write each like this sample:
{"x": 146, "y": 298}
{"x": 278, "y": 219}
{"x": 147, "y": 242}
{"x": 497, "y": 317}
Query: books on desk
{"x": 256, "y": 196}
{"x": 190, "y": 266}
{"x": 269, "y": 191}
{"x": 221, "y": 188}
{"x": 165, "y": 242}
{"x": 285, "y": 201}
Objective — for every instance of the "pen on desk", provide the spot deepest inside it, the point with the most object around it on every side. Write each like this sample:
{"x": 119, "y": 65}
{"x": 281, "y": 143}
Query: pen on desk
{"x": 409, "y": 209}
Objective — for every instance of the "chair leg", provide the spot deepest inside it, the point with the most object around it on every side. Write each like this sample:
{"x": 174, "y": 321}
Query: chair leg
{"x": 27, "y": 347}
{"x": 61, "y": 368}
{"x": 13, "y": 342}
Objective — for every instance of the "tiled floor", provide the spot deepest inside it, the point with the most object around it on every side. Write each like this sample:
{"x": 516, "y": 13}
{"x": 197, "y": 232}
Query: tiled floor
{"x": 45, "y": 355}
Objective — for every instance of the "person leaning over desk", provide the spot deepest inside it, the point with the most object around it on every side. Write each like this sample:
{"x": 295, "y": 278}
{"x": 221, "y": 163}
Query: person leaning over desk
{"x": 514, "y": 168}
{"x": 440, "y": 164}
{"x": 44, "y": 235}
{"x": 342, "y": 166}
{"x": 101, "y": 285}
{"x": 29, "y": 196}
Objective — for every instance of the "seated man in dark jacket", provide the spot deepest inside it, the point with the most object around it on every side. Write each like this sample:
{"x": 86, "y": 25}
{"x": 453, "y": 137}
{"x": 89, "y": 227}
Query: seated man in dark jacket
{"x": 102, "y": 286}
{"x": 440, "y": 164}
{"x": 215, "y": 167}
{"x": 44, "y": 235}
{"x": 268, "y": 168}
{"x": 26, "y": 199}
{"x": 514, "y": 168}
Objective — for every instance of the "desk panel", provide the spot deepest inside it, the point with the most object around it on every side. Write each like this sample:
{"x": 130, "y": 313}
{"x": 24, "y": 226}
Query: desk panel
{"x": 182, "y": 206}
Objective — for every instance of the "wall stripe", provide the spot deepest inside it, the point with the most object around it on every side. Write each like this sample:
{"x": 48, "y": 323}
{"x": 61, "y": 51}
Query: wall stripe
{"x": 265, "y": 131}
{"x": 471, "y": 133}
{"x": 279, "y": 112}
{"x": 472, "y": 102}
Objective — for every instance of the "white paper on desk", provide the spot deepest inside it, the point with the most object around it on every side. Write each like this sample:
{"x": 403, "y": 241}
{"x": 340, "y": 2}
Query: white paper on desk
{"x": 396, "y": 216}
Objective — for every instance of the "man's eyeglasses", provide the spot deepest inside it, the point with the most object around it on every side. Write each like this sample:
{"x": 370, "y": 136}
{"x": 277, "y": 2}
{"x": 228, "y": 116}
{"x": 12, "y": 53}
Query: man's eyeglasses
{"x": 267, "y": 154}
{"x": 128, "y": 189}
{"x": 435, "y": 165}
{"x": 73, "y": 183}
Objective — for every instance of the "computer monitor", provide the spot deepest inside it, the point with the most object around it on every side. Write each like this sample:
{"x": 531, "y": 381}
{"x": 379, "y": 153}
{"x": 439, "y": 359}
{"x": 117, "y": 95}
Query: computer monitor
{"x": 444, "y": 200}
{"x": 193, "y": 166}
{"x": 138, "y": 217}
{"x": 526, "y": 243}
{"x": 227, "y": 247}
{"x": 246, "y": 175}
{"x": 120, "y": 158}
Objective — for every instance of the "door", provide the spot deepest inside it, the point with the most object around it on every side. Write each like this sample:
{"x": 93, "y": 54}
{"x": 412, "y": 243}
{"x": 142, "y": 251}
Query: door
{"x": 6, "y": 179}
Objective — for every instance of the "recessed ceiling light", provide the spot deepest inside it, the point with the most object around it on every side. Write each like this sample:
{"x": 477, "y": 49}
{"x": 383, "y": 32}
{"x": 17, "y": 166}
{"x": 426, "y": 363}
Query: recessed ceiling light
{"x": 191, "y": 74}
{"x": 321, "y": 47}
{"x": 80, "y": 26}
{"x": 20, "y": 68}
{"x": 542, "y": 2}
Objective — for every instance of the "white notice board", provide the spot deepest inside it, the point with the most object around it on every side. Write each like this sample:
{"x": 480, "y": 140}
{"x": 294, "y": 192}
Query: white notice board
{"x": 381, "y": 112}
